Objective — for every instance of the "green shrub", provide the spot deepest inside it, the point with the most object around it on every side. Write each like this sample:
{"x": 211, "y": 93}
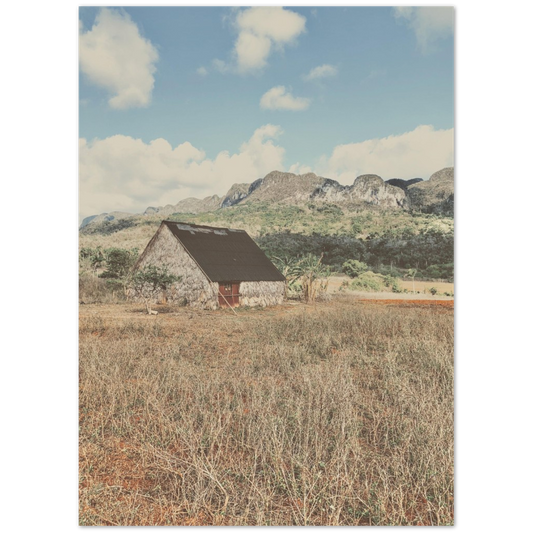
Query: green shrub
{"x": 117, "y": 287}
{"x": 354, "y": 268}
{"x": 357, "y": 226}
{"x": 119, "y": 262}
{"x": 368, "y": 281}
{"x": 392, "y": 283}
{"x": 151, "y": 280}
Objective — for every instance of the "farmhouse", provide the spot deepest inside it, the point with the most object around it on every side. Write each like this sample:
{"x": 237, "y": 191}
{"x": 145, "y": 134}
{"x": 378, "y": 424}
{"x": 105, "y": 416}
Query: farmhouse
{"x": 218, "y": 267}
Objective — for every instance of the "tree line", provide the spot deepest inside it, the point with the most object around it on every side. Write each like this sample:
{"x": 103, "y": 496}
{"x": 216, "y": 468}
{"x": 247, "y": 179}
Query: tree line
{"x": 431, "y": 252}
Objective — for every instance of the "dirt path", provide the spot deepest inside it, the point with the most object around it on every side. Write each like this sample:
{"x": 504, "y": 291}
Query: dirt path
{"x": 449, "y": 303}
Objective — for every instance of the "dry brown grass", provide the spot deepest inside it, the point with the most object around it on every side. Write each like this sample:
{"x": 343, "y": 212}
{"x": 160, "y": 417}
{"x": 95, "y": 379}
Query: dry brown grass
{"x": 129, "y": 238}
{"x": 340, "y": 413}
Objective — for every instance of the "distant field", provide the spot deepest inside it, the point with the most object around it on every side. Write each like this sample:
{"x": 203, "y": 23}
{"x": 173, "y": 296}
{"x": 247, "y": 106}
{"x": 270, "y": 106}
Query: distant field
{"x": 339, "y": 413}
{"x": 421, "y": 289}
{"x": 424, "y": 286}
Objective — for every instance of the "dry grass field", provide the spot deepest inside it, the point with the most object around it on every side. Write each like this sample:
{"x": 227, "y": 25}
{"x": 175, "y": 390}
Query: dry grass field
{"x": 339, "y": 413}
{"x": 421, "y": 289}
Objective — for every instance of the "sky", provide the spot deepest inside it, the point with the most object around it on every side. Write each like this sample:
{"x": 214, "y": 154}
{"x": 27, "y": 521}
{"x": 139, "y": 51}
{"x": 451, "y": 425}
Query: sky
{"x": 186, "y": 101}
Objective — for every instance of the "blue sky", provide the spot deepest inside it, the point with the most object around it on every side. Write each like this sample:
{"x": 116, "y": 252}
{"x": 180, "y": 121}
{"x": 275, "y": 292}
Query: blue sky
{"x": 185, "y": 101}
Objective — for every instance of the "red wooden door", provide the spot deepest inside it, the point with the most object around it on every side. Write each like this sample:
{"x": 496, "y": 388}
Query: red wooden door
{"x": 228, "y": 294}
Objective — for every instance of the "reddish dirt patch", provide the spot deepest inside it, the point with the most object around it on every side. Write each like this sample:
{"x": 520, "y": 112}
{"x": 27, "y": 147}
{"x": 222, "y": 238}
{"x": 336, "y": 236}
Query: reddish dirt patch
{"x": 449, "y": 304}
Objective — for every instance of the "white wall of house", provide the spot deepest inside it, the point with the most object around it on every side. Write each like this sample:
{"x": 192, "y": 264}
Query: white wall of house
{"x": 262, "y": 293}
{"x": 194, "y": 285}
{"x": 165, "y": 249}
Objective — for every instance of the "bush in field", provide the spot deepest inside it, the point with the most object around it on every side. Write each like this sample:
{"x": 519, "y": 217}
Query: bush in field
{"x": 368, "y": 281}
{"x": 92, "y": 258}
{"x": 372, "y": 282}
{"x": 149, "y": 281}
{"x": 294, "y": 290}
{"x": 354, "y": 268}
{"x": 116, "y": 263}
{"x": 313, "y": 276}
{"x": 305, "y": 275}
{"x": 119, "y": 262}
{"x": 288, "y": 266}
{"x": 433, "y": 291}
{"x": 392, "y": 283}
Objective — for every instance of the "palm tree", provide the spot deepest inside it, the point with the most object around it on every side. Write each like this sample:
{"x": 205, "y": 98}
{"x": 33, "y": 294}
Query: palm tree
{"x": 412, "y": 273}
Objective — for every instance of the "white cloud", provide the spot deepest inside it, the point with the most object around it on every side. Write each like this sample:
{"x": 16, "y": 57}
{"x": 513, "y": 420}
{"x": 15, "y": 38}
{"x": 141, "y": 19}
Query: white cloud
{"x": 202, "y": 71}
{"x": 260, "y": 30}
{"x": 265, "y": 155}
{"x": 297, "y": 168}
{"x": 429, "y": 23}
{"x": 252, "y": 50}
{"x": 417, "y": 153}
{"x": 323, "y": 71}
{"x": 221, "y": 66}
{"x": 115, "y": 56}
{"x": 121, "y": 173}
{"x": 279, "y": 98}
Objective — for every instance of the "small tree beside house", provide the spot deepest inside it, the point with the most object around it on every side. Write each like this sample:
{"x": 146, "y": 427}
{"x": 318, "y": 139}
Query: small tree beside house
{"x": 314, "y": 277}
{"x": 306, "y": 274}
{"x": 149, "y": 282}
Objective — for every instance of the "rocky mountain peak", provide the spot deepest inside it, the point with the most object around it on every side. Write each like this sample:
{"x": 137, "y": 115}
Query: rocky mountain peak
{"x": 237, "y": 192}
{"x": 446, "y": 174}
{"x": 433, "y": 195}
{"x": 371, "y": 188}
{"x": 283, "y": 187}
{"x": 369, "y": 180}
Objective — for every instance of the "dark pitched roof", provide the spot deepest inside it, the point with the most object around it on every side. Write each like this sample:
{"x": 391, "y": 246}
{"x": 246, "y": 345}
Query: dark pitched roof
{"x": 225, "y": 254}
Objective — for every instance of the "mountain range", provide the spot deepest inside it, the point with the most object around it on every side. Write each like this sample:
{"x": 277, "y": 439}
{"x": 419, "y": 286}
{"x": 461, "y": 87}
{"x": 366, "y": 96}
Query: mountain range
{"x": 435, "y": 195}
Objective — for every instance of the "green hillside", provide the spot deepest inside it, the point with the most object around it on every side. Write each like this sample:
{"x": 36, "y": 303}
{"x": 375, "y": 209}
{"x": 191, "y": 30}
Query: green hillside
{"x": 384, "y": 239}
